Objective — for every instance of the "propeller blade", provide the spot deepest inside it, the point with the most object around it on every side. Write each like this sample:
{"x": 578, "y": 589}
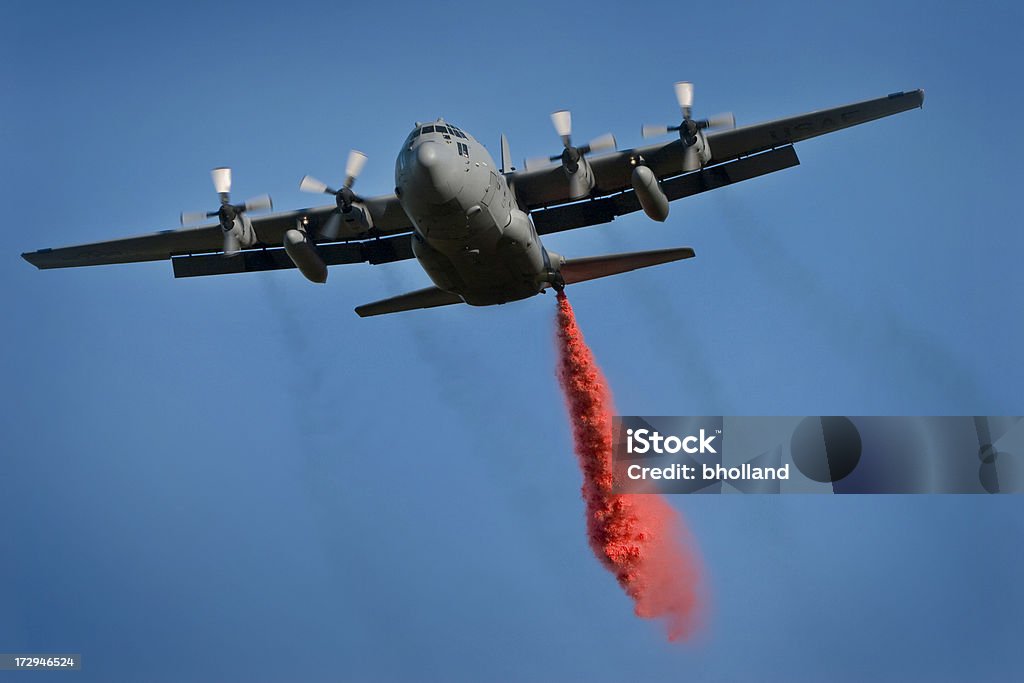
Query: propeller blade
{"x": 332, "y": 227}
{"x": 261, "y": 203}
{"x": 537, "y": 163}
{"x": 190, "y": 217}
{"x": 230, "y": 243}
{"x": 221, "y": 180}
{"x": 650, "y": 131}
{"x": 562, "y": 120}
{"x": 354, "y": 166}
{"x": 724, "y": 120}
{"x": 311, "y": 184}
{"x": 684, "y": 94}
{"x": 606, "y": 141}
{"x": 691, "y": 162}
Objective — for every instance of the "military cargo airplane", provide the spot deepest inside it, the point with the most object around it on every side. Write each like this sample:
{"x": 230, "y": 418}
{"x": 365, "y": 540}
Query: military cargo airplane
{"x": 475, "y": 227}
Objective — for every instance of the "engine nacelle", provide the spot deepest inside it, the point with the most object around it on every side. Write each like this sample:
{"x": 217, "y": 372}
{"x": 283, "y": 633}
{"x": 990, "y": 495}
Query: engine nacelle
{"x": 581, "y": 180}
{"x": 241, "y": 231}
{"x": 356, "y": 221}
{"x": 648, "y": 191}
{"x": 303, "y": 254}
{"x": 703, "y": 148}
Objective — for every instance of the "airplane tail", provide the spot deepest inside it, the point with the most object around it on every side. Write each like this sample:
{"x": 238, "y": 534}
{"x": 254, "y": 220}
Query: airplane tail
{"x": 593, "y": 267}
{"x": 572, "y": 271}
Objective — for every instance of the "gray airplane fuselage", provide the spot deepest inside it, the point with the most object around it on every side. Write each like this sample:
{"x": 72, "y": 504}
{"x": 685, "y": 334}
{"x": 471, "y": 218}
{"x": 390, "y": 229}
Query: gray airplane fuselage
{"x": 470, "y": 236}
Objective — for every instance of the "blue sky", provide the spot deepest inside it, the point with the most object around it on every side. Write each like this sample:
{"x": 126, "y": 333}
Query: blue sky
{"x": 236, "y": 474}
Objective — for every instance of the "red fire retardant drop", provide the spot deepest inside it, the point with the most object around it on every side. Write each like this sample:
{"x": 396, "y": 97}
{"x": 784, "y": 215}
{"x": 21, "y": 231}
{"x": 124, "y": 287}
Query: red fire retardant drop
{"x": 638, "y": 537}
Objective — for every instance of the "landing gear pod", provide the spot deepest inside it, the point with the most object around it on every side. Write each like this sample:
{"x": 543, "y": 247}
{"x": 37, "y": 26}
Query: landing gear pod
{"x": 303, "y": 255}
{"x": 652, "y": 199}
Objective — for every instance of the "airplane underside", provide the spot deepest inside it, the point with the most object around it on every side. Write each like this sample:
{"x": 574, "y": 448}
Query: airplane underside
{"x": 487, "y": 264}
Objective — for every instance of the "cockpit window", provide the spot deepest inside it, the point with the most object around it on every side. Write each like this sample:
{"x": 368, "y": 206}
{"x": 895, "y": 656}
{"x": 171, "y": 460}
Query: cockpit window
{"x": 440, "y": 128}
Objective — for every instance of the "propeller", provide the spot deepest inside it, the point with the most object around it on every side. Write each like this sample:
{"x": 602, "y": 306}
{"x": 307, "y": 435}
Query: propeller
{"x": 689, "y": 128}
{"x": 570, "y": 155}
{"x": 228, "y": 212}
{"x": 344, "y": 197}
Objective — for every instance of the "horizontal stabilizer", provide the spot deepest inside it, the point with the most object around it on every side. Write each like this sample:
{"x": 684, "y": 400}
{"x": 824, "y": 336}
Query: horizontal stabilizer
{"x": 593, "y": 267}
{"x": 421, "y": 298}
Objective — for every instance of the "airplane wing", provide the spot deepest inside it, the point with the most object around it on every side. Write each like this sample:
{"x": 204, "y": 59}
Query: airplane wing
{"x": 186, "y": 245}
{"x": 746, "y": 140}
{"x": 737, "y": 154}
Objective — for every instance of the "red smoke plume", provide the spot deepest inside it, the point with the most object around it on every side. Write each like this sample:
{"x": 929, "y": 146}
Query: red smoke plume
{"x": 638, "y": 537}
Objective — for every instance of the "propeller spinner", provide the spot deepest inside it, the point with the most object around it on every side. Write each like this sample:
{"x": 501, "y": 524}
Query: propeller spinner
{"x": 229, "y": 215}
{"x": 570, "y": 155}
{"x": 344, "y": 197}
{"x": 689, "y": 129}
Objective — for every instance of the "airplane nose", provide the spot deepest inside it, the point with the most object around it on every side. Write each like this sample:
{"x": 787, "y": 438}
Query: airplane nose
{"x": 428, "y": 155}
{"x": 431, "y": 174}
